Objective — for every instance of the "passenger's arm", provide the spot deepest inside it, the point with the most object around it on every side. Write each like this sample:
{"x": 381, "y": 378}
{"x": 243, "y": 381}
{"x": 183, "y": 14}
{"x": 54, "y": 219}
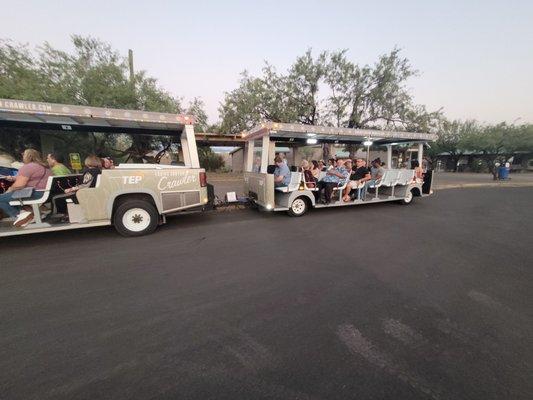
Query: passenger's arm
{"x": 20, "y": 183}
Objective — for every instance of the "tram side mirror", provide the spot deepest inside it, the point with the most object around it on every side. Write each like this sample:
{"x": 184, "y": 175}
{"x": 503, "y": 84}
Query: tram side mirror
{"x": 270, "y": 169}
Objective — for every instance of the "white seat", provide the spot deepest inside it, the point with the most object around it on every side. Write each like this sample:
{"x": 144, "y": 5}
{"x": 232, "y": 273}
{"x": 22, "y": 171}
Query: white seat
{"x": 36, "y": 203}
{"x": 391, "y": 179}
{"x": 406, "y": 176}
{"x": 380, "y": 182}
{"x": 294, "y": 184}
{"x": 342, "y": 185}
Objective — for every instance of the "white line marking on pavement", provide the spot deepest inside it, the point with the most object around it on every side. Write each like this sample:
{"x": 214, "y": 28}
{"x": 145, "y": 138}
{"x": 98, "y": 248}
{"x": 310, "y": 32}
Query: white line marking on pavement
{"x": 403, "y": 333}
{"x": 359, "y": 345}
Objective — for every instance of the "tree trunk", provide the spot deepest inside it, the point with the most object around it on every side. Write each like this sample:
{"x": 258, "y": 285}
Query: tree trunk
{"x": 326, "y": 151}
{"x": 352, "y": 149}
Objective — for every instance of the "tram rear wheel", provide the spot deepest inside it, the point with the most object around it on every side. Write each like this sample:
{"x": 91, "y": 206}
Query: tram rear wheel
{"x": 298, "y": 207}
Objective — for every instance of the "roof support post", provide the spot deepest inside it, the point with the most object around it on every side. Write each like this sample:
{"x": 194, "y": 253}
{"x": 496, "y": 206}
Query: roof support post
{"x": 389, "y": 156}
{"x": 188, "y": 145}
{"x": 265, "y": 151}
{"x": 420, "y": 153}
{"x": 271, "y": 152}
{"x": 248, "y": 155}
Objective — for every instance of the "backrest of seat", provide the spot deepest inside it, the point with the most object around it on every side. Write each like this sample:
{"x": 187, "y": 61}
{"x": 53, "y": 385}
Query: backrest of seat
{"x": 49, "y": 183}
{"x": 296, "y": 178}
{"x": 64, "y": 182}
{"x": 406, "y": 176}
{"x": 402, "y": 176}
{"x": 385, "y": 177}
{"x": 392, "y": 177}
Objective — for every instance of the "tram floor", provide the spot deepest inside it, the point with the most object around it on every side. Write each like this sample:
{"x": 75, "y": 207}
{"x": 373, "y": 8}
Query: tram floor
{"x": 426, "y": 301}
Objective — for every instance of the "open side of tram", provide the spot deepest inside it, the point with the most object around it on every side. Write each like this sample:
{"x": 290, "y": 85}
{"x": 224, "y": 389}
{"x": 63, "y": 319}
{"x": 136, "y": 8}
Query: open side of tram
{"x": 135, "y": 198}
{"x": 297, "y": 197}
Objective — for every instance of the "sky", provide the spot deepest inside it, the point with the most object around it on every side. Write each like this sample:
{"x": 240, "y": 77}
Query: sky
{"x": 475, "y": 58}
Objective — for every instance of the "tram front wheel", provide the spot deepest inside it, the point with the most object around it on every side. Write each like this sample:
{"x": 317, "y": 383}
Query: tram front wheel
{"x": 298, "y": 207}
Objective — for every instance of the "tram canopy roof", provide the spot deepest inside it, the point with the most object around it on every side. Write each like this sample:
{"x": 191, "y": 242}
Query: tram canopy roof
{"x": 32, "y": 114}
{"x": 283, "y": 132}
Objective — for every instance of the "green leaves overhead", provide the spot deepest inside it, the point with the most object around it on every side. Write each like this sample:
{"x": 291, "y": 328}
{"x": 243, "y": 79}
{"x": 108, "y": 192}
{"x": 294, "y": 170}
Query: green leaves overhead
{"x": 329, "y": 90}
{"x": 93, "y": 74}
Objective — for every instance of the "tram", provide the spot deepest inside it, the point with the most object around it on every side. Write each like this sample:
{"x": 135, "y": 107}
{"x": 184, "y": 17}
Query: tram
{"x": 296, "y": 197}
{"x": 134, "y": 198}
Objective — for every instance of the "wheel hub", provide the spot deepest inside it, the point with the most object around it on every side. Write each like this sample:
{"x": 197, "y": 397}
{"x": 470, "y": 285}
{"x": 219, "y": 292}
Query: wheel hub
{"x": 136, "y": 219}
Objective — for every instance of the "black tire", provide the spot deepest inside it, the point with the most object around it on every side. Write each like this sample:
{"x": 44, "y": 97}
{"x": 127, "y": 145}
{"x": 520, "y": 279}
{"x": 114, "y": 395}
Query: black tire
{"x": 408, "y": 199}
{"x": 298, "y": 207}
{"x": 131, "y": 212}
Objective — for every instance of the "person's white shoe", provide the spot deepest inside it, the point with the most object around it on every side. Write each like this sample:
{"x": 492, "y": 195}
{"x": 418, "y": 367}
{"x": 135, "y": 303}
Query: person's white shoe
{"x": 28, "y": 220}
{"x": 21, "y": 219}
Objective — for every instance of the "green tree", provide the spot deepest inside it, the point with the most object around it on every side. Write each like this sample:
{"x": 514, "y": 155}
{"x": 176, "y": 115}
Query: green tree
{"x": 329, "y": 90}
{"x": 451, "y": 140}
{"x": 197, "y": 108}
{"x": 209, "y": 160}
{"x": 93, "y": 74}
{"x": 498, "y": 143}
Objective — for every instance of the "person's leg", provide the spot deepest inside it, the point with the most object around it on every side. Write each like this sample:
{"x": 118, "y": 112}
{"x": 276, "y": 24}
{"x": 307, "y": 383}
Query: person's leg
{"x": 8, "y": 209}
{"x": 60, "y": 202}
{"x": 347, "y": 191}
{"x": 328, "y": 191}
{"x": 321, "y": 188}
{"x": 363, "y": 191}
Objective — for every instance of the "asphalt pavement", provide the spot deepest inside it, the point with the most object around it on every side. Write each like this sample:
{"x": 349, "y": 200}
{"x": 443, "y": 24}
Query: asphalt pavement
{"x": 427, "y": 301}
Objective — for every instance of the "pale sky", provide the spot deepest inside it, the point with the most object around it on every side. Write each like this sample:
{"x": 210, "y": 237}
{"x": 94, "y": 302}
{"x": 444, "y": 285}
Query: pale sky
{"x": 475, "y": 57}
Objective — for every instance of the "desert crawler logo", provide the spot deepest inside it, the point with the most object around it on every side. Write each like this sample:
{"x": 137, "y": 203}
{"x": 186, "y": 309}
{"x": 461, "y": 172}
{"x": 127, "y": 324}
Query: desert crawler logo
{"x": 172, "y": 182}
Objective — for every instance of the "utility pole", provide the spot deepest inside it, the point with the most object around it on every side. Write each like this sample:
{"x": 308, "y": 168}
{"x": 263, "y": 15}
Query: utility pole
{"x": 130, "y": 62}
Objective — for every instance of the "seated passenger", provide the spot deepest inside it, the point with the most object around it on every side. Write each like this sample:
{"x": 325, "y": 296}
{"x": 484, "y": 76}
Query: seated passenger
{"x": 360, "y": 174}
{"x": 333, "y": 178}
{"x": 331, "y": 164}
{"x": 309, "y": 179}
{"x": 55, "y": 161}
{"x": 376, "y": 172}
{"x": 321, "y": 165}
{"x": 108, "y": 163}
{"x": 315, "y": 169}
{"x": 33, "y": 174}
{"x": 419, "y": 173}
{"x": 282, "y": 173}
{"x": 93, "y": 168}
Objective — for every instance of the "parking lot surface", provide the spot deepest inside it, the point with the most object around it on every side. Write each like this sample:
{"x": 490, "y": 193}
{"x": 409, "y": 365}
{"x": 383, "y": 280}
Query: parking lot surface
{"x": 427, "y": 301}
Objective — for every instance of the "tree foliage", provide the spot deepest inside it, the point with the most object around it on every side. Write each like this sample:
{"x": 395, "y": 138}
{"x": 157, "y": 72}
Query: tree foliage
{"x": 329, "y": 90}
{"x": 489, "y": 143}
{"x": 93, "y": 74}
